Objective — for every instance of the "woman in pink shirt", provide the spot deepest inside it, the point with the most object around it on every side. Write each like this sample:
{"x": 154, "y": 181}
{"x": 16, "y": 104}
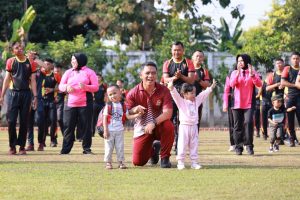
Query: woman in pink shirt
{"x": 77, "y": 82}
{"x": 243, "y": 81}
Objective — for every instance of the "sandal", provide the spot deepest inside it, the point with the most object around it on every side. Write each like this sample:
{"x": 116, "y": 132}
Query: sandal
{"x": 122, "y": 166}
{"x": 108, "y": 166}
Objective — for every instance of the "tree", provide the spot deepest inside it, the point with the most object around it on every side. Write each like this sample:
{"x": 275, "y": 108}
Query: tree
{"x": 62, "y": 51}
{"x": 229, "y": 42}
{"x": 265, "y": 42}
{"x": 124, "y": 19}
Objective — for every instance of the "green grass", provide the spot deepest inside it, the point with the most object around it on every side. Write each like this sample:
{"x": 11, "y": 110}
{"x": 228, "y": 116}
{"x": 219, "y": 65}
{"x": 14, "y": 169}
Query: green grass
{"x": 47, "y": 175}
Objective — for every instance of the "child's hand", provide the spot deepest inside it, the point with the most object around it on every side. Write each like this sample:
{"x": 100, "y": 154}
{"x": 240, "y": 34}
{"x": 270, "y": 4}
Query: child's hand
{"x": 213, "y": 85}
{"x": 170, "y": 84}
{"x": 106, "y": 135}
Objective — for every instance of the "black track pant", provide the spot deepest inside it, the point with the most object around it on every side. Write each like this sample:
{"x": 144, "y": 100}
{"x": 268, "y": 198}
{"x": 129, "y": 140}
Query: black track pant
{"x": 19, "y": 103}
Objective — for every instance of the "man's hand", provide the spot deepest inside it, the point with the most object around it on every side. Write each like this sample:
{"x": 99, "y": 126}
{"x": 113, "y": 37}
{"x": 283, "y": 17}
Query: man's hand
{"x": 34, "y": 103}
{"x": 177, "y": 74}
{"x": 149, "y": 128}
{"x": 49, "y": 90}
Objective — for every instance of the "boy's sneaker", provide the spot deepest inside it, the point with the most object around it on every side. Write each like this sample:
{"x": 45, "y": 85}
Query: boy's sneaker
{"x": 156, "y": 148}
{"x": 276, "y": 147}
{"x": 271, "y": 150}
{"x": 196, "y": 166}
{"x": 180, "y": 166}
{"x": 231, "y": 148}
{"x": 122, "y": 166}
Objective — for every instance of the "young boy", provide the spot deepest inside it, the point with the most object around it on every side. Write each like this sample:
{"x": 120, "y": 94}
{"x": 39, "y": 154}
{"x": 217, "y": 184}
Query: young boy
{"x": 276, "y": 117}
{"x": 113, "y": 120}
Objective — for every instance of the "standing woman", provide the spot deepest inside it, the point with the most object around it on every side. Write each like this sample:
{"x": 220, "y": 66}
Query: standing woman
{"x": 77, "y": 82}
{"x": 243, "y": 80}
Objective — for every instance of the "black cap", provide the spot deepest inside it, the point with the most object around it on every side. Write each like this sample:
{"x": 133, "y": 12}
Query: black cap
{"x": 277, "y": 97}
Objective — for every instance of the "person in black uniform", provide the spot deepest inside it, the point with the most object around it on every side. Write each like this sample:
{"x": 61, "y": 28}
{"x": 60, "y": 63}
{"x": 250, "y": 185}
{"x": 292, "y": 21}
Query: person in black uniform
{"x": 288, "y": 79}
{"x": 47, "y": 82}
{"x": 180, "y": 70}
{"x": 99, "y": 102}
{"x": 21, "y": 71}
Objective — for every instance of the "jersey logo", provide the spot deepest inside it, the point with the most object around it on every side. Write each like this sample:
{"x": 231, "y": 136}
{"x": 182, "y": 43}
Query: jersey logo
{"x": 158, "y": 102}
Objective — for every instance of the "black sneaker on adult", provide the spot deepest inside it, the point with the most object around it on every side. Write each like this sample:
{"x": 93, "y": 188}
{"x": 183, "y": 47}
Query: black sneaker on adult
{"x": 165, "y": 163}
{"x": 238, "y": 151}
{"x": 53, "y": 144}
{"x": 156, "y": 148}
{"x": 88, "y": 152}
{"x": 250, "y": 150}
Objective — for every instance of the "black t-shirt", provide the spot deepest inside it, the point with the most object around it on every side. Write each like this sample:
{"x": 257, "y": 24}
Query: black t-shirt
{"x": 277, "y": 115}
{"x": 99, "y": 95}
{"x": 173, "y": 67}
{"x": 46, "y": 81}
{"x": 277, "y": 79}
{"x": 20, "y": 73}
{"x": 290, "y": 74}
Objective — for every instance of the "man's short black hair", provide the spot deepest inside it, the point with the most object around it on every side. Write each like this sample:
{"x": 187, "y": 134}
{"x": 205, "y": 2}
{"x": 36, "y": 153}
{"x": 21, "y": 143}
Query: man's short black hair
{"x": 279, "y": 59}
{"x": 49, "y": 60}
{"x": 177, "y": 43}
{"x": 295, "y": 53}
{"x": 149, "y": 63}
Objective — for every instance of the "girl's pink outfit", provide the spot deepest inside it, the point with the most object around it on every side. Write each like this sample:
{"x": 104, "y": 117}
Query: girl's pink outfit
{"x": 188, "y": 129}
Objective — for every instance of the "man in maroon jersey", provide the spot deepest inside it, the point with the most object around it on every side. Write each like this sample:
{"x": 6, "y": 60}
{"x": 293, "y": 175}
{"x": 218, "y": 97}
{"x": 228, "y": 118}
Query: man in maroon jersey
{"x": 154, "y": 101}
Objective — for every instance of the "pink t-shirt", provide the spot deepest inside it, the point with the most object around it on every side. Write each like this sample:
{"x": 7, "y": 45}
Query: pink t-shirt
{"x": 188, "y": 110}
{"x": 87, "y": 76}
{"x": 243, "y": 85}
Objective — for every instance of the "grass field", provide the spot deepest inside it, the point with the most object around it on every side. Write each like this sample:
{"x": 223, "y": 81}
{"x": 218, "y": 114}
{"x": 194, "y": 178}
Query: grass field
{"x": 48, "y": 175}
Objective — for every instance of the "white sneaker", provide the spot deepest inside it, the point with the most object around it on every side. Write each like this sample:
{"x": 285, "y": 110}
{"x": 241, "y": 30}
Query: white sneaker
{"x": 180, "y": 166}
{"x": 231, "y": 148}
{"x": 196, "y": 166}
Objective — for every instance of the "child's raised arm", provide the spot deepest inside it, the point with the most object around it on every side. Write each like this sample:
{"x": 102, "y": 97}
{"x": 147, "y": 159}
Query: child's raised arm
{"x": 170, "y": 84}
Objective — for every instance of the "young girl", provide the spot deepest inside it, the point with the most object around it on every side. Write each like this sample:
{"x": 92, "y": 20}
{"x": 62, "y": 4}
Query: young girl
{"x": 188, "y": 117}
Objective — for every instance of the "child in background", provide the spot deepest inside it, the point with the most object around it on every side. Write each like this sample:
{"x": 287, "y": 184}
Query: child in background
{"x": 113, "y": 121}
{"x": 188, "y": 117}
{"x": 276, "y": 117}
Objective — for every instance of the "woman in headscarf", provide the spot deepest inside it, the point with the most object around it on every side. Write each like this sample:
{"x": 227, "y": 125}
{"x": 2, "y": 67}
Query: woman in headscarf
{"x": 78, "y": 82}
{"x": 243, "y": 81}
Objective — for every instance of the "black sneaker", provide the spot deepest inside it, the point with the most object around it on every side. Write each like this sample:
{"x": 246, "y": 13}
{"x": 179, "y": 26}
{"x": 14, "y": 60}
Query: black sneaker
{"x": 155, "y": 158}
{"x": 276, "y": 147}
{"x": 88, "y": 152}
{"x": 238, "y": 151}
{"x": 250, "y": 150}
{"x": 165, "y": 163}
{"x": 53, "y": 144}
